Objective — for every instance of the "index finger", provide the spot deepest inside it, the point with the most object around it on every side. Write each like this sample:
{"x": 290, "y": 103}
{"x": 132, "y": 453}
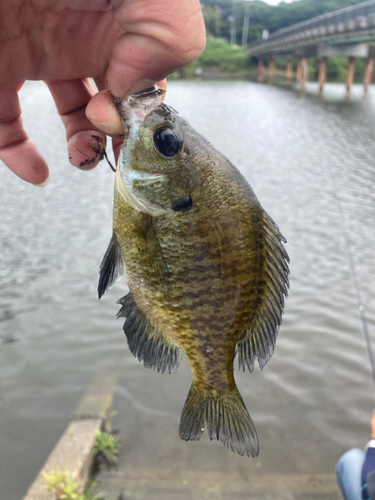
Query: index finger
{"x": 17, "y": 150}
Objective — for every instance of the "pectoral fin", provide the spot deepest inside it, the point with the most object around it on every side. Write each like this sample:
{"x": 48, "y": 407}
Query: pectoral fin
{"x": 145, "y": 341}
{"x": 111, "y": 268}
{"x": 261, "y": 336}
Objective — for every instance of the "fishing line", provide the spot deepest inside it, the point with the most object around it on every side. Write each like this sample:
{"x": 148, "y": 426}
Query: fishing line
{"x": 357, "y": 288}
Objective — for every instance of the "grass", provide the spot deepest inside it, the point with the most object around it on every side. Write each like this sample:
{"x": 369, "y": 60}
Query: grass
{"x": 61, "y": 483}
{"x": 221, "y": 55}
{"x": 105, "y": 446}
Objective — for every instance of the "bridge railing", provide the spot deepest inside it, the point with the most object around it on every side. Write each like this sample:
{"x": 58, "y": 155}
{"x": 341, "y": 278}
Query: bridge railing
{"x": 355, "y": 17}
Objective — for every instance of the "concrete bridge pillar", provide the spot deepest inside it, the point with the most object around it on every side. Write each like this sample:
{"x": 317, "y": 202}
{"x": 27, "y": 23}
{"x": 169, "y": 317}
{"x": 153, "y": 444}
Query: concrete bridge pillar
{"x": 260, "y": 77}
{"x": 271, "y": 71}
{"x": 298, "y": 72}
{"x": 350, "y": 73}
{"x": 304, "y": 72}
{"x": 368, "y": 73}
{"x": 289, "y": 71}
{"x": 322, "y": 73}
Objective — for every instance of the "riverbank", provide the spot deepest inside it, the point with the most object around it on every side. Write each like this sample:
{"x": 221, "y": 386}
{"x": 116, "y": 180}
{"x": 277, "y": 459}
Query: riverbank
{"x": 155, "y": 464}
{"x": 194, "y": 471}
{"x": 73, "y": 453}
{"x": 221, "y": 60}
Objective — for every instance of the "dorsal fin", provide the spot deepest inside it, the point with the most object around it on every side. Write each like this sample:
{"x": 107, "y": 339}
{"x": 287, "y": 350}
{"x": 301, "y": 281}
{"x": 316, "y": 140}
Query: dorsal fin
{"x": 146, "y": 342}
{"x": 261, "y": 337}
{"x": 111, "y": 267}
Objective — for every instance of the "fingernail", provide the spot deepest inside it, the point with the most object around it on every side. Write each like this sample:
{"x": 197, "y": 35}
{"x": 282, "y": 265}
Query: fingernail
{"x": 111, "y": 129}
{"x": 106, "y": 125}
{"x": 141, "y": 85}
{"x": 162, "y": 86}
{"x": 43, "y": 184}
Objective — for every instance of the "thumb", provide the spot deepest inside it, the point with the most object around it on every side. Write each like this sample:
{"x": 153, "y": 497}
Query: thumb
{"x": 160, "y": 37}
{"x": 102, "y": 112}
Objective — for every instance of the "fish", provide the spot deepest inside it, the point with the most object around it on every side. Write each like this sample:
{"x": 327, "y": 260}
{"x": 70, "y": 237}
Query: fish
{"x": 206, "y": 266}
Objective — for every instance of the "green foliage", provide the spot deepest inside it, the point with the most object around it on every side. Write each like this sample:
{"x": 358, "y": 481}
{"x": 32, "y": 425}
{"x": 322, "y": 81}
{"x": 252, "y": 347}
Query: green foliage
{"x": 221, "y": 56}
{"x": 57, "y": 480}
{"x": 105, "y": 445}
{"x": 221, "y": 53}
{"x": 61, "y": 483}
{"x": 281, "y": 64}
{"x": 337, "y": 69}
{"x": 216, "y": 24}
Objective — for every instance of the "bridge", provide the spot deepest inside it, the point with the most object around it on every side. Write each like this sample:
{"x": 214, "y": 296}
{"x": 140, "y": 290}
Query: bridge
{"x": 346, "y": 32}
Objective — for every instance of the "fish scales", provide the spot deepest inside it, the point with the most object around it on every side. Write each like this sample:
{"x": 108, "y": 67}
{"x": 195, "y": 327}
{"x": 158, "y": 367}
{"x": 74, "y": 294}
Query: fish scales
{"x": 206, "y": 272}
{"x": 205, "y": 266}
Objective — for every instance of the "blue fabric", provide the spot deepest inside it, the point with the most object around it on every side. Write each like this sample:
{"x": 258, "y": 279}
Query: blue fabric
{"x": 368, "y": 467}
{"x": 348, "y": 473}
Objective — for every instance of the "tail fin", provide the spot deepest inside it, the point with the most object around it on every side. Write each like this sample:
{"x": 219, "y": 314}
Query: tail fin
{"x": 226, "y": 417}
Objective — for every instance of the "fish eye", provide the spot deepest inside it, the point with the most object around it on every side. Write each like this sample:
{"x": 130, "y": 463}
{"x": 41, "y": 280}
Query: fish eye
{"x": 167, "y": 141}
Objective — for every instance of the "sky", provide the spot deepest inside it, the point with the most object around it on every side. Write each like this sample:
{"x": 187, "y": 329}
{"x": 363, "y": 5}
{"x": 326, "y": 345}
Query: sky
{"x": 275, "y": 2}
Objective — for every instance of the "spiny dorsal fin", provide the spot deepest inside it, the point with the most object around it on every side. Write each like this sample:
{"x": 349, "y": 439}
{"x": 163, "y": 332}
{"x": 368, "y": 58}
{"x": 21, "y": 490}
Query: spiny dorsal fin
{"x": 145, "y": 341}
{"x": 261, "y": 337}
{"x": 111, "y": 267}
{"x": 226, "y": 417}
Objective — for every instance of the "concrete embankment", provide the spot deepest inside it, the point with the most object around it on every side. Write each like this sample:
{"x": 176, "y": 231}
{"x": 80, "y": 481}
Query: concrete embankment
{"x": 154, "y": 464}
{"x": 73, "y": 450}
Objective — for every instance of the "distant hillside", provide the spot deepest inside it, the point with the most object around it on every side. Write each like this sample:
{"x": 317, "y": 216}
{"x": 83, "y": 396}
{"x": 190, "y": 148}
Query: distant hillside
{"x": 262, "y": 16}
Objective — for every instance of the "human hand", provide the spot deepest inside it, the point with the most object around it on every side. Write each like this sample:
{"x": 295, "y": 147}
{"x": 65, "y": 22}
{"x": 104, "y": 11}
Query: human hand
{"x": 64, "y": 42}
{"x": 373, "y": 425}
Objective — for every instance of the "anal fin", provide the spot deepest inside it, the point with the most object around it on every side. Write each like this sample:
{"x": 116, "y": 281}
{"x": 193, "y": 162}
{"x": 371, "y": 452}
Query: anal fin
{"x": 145, "y": 341}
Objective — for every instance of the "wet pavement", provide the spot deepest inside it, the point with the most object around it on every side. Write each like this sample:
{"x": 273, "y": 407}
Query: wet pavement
{"x": 153, "y": 464}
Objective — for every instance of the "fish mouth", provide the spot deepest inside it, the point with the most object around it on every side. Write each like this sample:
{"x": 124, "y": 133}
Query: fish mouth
{"x": 132, "y": 110}
{"x": 149, "y": 91}
{"x": 134, "y": 107}
{"x": 143, "y": 93}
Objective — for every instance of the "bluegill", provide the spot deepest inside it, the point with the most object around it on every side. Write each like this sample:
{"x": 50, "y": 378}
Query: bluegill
{"x": 205, "y": 266}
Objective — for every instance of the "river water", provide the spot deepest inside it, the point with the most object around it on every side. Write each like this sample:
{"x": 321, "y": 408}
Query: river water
{"x": 311, "y": 163}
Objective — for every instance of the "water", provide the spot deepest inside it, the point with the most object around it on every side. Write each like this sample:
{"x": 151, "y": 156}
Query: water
{"x": 311, "y": 163}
